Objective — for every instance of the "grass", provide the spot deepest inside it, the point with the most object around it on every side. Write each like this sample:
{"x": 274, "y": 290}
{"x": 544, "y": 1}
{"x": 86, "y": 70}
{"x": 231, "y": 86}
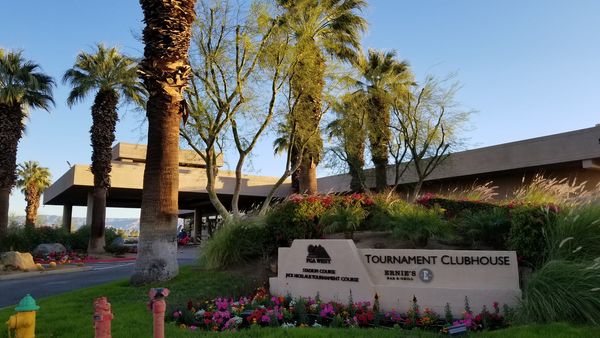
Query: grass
{"x": 576, "y": 234}
{"x": 70, "y": 315}
{"x": 563, "y": 291}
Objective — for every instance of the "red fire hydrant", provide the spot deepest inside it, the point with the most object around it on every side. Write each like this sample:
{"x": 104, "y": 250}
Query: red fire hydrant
{"x": 158, "y": 306}
{"x": 102, "y": 318}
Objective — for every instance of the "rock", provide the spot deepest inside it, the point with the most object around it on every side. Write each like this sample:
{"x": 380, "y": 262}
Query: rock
{"x": 118, "y": 242}
{"x": 22, "y": 261}
{"x": 47, "y": 248}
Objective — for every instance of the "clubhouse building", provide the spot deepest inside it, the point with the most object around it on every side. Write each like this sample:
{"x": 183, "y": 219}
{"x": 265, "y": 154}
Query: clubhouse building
{"x": 573, "y": 155}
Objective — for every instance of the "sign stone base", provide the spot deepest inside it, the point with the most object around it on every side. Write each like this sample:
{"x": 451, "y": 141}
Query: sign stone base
{"x": 335, "y": 268}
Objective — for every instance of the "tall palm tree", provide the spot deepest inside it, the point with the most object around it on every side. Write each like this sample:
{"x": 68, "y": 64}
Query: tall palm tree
{"x": 33, "y": 180}
{"x": 320, "y": 27}
{"x": 380, "y": 72}
{"x": 350, "y": 129}
{"x": 165, "y": 71}
{"x": 111, "y": 76}
{"x": 22, "y": 86}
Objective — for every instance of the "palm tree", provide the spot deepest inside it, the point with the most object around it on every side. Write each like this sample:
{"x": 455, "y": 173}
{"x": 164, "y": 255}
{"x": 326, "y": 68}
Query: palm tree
{"x": 33, "y": 180}
{"x": 112, "y": 76}
{"x": 22, "y": 86}
{"x": 349, "y": 128}
{"x": 380, "y": 73}
{"x": 320, "y": 27}
{"x": 165, "y": 71}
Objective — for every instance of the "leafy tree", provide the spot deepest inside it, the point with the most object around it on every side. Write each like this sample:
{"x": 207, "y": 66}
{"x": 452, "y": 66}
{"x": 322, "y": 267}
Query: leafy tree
{"x": 234, "y": 60}
{"x": 165, "y": 71}
{"x": 320, "y": 27}
{"x": 22, "y": 86}
{"x": 112, "y": 76}
{"x": 429, "y": 119}
{"x": 33, "y": 180}
{"x": 380, "y": 74}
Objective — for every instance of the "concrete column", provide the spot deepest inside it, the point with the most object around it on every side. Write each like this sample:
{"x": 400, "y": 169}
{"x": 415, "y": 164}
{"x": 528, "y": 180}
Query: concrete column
{"x": 90, "y": 206}
{"x": 197, "y": 225}
{"x": 67, "y": 217}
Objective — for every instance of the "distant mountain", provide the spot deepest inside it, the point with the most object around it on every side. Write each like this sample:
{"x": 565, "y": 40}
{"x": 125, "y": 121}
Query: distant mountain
{"x": 54, "y": 220}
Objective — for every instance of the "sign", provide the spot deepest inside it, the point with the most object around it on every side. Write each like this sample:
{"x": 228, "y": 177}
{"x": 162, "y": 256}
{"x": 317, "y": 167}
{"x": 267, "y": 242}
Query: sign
{"x": 336, "y": 268}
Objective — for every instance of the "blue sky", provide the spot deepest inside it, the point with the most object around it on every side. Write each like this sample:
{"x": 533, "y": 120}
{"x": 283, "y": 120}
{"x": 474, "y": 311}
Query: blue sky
{"x": 529, "y": 67}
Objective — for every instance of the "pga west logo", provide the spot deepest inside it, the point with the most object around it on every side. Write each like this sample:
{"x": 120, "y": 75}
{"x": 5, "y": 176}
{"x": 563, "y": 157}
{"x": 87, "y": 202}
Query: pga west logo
{"x": 317, "y": 254}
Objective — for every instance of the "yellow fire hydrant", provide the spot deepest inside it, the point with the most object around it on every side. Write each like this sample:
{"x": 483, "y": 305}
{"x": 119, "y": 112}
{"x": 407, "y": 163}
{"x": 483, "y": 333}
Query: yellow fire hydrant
{"x": 23, "y": 322}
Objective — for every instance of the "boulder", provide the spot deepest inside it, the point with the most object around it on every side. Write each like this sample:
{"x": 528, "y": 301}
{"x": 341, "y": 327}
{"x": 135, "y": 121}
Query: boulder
{"x": 19, "y": 260}
{"x": 46, "y": 248}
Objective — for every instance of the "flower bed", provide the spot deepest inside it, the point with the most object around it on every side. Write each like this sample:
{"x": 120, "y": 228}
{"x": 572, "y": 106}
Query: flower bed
{"x": 262, "y": 309}
{"x": 61, "y": 258}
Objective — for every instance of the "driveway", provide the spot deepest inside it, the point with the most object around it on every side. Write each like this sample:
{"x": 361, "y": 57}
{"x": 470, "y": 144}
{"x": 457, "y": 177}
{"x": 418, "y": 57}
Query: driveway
{"x": 11, "y": 291}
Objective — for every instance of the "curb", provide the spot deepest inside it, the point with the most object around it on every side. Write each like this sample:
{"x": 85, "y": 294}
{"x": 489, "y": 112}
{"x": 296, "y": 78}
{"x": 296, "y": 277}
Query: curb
{"x": 110, "y": 260}
{"x": 44, "y": 273}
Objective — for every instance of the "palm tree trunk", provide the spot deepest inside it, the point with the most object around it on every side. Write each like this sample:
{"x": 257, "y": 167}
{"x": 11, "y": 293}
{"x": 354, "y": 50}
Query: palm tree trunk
{"x": 354, "y": 140}
{"x": 157, "y": 250}
{"x": 33, "y": 201}
{"x": 97, "y": 243}
{"x": 308, "y": 83}
{"x": 379, "y": 136}
{"x": 104, "y": 122}
{"x": 308, "y": 177}
{"x": 11, "y": 129}
{"x": 165, "y": 71}
{"x": 4, "y": 198}
{"x": 357, "y": 181}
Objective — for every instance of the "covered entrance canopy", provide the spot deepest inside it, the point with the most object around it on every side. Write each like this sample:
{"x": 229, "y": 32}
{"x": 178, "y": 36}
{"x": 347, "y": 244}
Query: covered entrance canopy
{"x": 74, "y": 188}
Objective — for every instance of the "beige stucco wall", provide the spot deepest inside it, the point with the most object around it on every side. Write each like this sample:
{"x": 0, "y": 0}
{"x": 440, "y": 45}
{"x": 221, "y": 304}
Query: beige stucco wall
{"x": 542, "y": 154}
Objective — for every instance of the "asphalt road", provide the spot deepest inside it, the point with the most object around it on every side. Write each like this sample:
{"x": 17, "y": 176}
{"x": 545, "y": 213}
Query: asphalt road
{"x": 11, "y": 291}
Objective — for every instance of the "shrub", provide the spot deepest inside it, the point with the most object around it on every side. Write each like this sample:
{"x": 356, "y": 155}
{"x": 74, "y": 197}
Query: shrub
{"x": 117, "y": 250}
{"x": 344, "y": 218}
{"x": 490, "y": 228}
{"x": 416, "y": 223}
{"x": 576, "y": 234}
{"x": 454, "y": 208}
{"x": 529, "y": 225}
{"x": 79, "y": 239}
{"x": 26, "y": 239}
{"x": 562, "y": 291}
{"x": 378, "y": 217}
{"x": 236, "y": 241}
{"x": 294, "y": 219}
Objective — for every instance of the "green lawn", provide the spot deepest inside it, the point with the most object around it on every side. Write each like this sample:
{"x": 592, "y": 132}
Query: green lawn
{"x": 70, "y": 315}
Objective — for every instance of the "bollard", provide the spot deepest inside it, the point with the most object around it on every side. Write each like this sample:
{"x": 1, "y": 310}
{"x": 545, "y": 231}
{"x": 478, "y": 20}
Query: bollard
{"x": 23, "y": 322}
{"x": 102, "y": 318}
{"x": 158, "y": 306}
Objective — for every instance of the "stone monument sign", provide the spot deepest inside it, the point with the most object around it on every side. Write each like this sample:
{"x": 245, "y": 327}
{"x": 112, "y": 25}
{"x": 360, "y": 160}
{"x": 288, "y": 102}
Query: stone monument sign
{"x": 334, "y": 268}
